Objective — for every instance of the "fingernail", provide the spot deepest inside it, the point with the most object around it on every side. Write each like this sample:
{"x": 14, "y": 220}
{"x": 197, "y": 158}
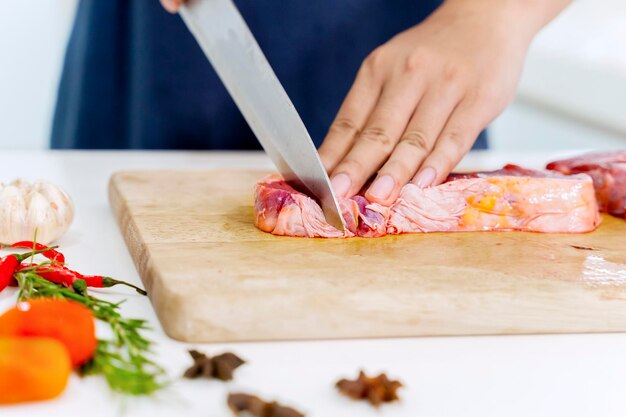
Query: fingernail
{"x": 382, "y": 187}
{"x": 341, "y": 184}
{"x": 426, "y": 177}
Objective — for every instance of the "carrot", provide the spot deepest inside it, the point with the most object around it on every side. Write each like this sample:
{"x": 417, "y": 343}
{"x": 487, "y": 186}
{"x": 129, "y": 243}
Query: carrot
{"x": 32, "y": 369}
{"x": 68, "y": 322}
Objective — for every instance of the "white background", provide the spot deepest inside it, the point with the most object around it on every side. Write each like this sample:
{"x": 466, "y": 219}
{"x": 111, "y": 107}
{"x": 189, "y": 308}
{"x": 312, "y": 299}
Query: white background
{"x": 572, "y": 95}
{"x": 33, "y": 34}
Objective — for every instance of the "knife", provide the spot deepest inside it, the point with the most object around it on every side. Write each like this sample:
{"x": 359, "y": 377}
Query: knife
{"x": 235, "y": 55}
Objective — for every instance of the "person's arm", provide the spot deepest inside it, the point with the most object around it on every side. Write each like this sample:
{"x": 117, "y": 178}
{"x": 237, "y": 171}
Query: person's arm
{"x": 420, "y": 100}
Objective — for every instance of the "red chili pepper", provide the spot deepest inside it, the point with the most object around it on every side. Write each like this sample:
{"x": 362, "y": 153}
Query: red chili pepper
{"x": 65, "y": 276}
{"x": 10, "y": 263}
{"x": 49, "y": 253}
{"x": 97, "y": 281}
{"x": 58, "y": 275}
{"x": 7, "y": 268}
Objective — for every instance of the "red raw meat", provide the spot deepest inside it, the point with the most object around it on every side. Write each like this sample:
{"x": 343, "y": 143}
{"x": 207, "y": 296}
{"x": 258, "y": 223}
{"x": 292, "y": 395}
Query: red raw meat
{"x": 513, "y": 198}
{"x": 608, "y": 170}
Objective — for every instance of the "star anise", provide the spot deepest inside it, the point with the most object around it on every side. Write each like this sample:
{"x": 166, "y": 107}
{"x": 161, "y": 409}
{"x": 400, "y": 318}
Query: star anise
{"x": 256, "y": 407}
{"x": 220, "y": 366}
{"x": 376, "y": 390}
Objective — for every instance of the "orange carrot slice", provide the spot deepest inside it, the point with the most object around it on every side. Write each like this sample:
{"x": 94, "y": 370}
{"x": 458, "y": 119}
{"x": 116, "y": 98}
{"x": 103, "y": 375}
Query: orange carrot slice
{"x": 32, "y": 369}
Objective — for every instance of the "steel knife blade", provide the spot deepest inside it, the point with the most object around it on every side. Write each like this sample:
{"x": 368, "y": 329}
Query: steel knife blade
{"x": 238, "y": 60}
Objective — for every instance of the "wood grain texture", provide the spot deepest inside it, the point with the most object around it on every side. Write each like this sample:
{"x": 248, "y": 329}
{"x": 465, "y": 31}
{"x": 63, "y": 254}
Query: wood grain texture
{"x": 213, "y": 277}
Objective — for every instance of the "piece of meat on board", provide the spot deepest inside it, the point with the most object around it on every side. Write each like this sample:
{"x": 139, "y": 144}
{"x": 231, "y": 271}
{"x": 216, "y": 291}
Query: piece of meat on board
{"x": 509, "y": 199}
{"x": 608, "y": 170}
{"x": 281, "y": 210}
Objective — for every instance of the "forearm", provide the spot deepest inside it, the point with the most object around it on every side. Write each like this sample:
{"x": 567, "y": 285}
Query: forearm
{"x": 544, "y": 10}
{"x": 525, "y": 16}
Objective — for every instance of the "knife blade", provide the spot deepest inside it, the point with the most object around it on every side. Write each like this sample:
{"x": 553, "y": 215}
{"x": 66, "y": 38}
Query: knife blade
{"x": 238, "y": 60}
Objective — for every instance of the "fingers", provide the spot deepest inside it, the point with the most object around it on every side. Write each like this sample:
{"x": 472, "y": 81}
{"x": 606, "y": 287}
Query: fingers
{"x": 172, "y": 6}
{"x": 350, "y": 119}
{"x": 415, "y": 144}
{"x": 453, "y": 143}
{"x": 379, "y": 136}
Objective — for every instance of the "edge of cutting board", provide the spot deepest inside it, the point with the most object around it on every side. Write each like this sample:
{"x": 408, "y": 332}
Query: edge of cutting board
{"x": 141, "y": 258}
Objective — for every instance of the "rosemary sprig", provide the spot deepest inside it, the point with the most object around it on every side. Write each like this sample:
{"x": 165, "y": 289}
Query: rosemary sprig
{"x": 123, "y": 361}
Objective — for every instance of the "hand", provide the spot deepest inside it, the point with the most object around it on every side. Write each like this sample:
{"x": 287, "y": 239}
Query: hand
{"x": 420, "y": 100}
{"x": 172, "y": 6}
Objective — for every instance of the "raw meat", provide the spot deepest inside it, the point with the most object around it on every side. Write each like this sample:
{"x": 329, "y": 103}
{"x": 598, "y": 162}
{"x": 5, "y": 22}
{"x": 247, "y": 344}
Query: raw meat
{"x": 608, "y": 170}
{"x": 512, "y": 198}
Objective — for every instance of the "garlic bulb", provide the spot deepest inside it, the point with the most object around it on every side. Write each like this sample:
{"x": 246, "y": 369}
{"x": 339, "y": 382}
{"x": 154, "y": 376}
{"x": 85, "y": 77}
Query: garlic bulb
{"x": 26, "y": 208}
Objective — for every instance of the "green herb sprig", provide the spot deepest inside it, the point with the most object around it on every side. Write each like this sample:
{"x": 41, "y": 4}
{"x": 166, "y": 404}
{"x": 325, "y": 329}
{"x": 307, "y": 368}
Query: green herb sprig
{"x": 124, "y": 360}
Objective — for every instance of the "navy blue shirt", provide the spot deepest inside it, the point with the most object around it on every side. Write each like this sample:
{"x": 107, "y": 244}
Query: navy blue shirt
{"x": 134, "y": 77}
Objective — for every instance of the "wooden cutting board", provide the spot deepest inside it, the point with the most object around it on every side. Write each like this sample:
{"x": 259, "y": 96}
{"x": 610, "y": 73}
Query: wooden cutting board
{"x": 213, "y": 277}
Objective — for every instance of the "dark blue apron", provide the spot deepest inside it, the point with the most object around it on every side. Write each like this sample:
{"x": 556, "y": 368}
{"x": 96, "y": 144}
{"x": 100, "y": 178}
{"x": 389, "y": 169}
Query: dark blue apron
{"x": 134, "y": 78}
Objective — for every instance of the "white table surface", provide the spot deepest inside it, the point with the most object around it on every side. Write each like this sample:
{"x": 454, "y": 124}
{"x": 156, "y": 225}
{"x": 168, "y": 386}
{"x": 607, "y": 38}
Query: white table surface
{"x": 550, "y": 375}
